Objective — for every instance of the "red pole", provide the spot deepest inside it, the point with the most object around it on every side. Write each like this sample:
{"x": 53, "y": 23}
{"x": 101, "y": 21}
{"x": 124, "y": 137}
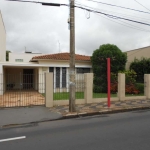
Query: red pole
{"x": 108, "y": 81}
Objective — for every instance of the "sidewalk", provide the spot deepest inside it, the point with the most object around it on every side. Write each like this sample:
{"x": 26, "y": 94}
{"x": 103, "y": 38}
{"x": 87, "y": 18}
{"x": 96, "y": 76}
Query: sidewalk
{"x": 10, "y": 117}
{"x": 26, "y": 115}
{"x": 101, "y": 108}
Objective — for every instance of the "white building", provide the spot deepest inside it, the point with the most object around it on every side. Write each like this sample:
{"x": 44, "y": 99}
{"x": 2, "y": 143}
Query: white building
{"x": 25, "y": 70}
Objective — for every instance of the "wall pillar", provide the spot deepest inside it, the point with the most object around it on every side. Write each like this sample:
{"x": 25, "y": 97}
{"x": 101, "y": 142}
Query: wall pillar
{"x": 147, "y": 86}
{"x": 49, "y": 89}
{"x": 121, "y": 86}
{"x": 88, "y": 93}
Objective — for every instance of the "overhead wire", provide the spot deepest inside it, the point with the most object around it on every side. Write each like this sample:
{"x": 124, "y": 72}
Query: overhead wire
{"x": 141, "y": 5}
{"x": 112, "y": 16}
{"x": 122, "y": 22}
{"x": 121, "y": 14}
{"x": 119, "y": 6}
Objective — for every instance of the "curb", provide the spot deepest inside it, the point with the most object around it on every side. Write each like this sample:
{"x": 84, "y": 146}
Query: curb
{"x": 75, "y": 115}
{"x": 111, "y": 111}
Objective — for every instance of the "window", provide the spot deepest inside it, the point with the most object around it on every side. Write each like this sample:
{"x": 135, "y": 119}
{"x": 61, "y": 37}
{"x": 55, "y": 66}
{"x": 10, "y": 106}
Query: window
{"x": 57, "y": 77}
{"x": 51, "y": 69}
{"x": 83, "y": 70}
{"x": 63, "y": 77}
{"x": 18, "y": 60}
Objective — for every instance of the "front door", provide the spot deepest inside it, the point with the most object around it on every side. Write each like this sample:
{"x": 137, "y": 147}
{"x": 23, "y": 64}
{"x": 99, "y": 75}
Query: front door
{"x": 27, "y": 78}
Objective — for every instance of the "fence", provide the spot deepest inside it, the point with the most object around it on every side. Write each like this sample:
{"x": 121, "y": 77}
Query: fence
{"x": 102, "y": 87}
{"x": 61, "y": 86}
{"x": 88, "y": 91}
{"x": 22, "y": 90}
{"x": 135, "y": 85}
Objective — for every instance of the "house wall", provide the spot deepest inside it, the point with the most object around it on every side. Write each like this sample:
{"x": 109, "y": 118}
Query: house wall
{"x": 138, "y": 53}
{"x": 26, "y": 57}
{"x": 14, "y": 76}
{"x": 60, "y": 63}
{"x": 2, "y": 40}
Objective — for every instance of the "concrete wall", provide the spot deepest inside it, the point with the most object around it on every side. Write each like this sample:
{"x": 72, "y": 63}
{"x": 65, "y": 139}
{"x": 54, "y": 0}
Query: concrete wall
{"x": 137, "y": 53}
{"x": 62, "y": 63}
{"x": 88, "y": 93}
{"x": 26, "y": 57}
{"x": 2, "y": 40}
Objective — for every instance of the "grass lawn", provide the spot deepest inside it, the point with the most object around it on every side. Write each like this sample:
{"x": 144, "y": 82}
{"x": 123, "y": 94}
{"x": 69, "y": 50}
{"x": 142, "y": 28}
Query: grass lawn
{"x": 65, "y": 95}
{"x": 141, "y": 94}
{"x": 80, "y": 95}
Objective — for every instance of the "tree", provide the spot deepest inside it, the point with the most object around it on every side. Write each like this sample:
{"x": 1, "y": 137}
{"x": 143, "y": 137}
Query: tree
{"x": 99, "y": 64}
{"x": 7, "y": 55}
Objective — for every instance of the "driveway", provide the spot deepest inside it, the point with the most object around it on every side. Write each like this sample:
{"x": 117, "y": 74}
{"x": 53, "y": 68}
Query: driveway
{"x": 21, "y": 98}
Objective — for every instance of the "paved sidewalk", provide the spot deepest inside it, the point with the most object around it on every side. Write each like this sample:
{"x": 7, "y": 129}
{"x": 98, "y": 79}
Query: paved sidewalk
{"x": 96, "y": 108}
{"x": 25, "y": 115}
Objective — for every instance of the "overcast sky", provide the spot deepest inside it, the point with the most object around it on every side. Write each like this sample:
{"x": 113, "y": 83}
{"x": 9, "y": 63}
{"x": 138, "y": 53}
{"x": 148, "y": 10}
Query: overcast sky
{"x": 41, "y": 28}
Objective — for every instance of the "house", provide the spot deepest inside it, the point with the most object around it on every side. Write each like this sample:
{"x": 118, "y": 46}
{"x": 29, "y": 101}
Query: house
{"x": 25, "y": 71}
{"x": 137, "y": 54}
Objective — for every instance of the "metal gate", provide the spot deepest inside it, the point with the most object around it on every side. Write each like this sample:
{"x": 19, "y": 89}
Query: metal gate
{"x": 25, "y": 89}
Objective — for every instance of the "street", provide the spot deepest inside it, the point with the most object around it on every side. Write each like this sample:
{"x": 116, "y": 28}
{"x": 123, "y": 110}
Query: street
{"x": 122, "y": 131}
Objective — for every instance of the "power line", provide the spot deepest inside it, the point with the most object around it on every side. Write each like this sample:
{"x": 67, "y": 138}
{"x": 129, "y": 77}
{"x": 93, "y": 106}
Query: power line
{"x": 113, "y": 16}
{"x": 142, "y": 5}
{"x": 119, "y": 6}
{"x": 43, "y": 3}
{"x": 125, "y": 24}
{"x": 120, "y": 14}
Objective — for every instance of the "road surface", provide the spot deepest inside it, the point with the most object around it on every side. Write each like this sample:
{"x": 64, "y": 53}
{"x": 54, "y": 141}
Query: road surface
{"x": 122, "y": 131}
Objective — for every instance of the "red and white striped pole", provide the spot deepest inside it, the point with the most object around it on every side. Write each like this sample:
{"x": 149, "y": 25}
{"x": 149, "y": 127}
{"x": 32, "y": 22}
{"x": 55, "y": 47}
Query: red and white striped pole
{"x": 108, "y": 81}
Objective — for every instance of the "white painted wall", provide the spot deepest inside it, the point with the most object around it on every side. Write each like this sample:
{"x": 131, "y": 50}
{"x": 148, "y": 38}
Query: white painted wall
{"x": 62, "y": 63}
{"x": 25, "y": 56}
{"x": 2, "y": 40}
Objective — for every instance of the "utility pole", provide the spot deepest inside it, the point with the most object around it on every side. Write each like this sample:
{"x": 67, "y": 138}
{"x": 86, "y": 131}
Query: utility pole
{"x": 72, "y": 59}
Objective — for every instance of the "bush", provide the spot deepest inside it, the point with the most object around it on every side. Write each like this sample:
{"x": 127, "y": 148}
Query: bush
{"x": 99, "y": 64}
{"x": 130, "y": 83}
{"x": 141, "y": 67}
{"x": 140, "y": 87}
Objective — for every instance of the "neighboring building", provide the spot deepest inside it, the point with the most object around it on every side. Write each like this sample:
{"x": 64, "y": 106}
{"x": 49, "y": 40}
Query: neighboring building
{"x": 137, "y": 54}
{"x": 2, "y": 40}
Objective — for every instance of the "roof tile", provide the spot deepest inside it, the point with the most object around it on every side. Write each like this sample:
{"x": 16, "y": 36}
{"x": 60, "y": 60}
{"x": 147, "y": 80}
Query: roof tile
{"x": 62, "y": 56}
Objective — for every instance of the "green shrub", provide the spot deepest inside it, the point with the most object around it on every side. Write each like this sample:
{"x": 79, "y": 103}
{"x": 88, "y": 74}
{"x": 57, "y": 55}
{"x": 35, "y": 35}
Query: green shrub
{"x": 140, "y": 87}
{"x": 99, "y": 64}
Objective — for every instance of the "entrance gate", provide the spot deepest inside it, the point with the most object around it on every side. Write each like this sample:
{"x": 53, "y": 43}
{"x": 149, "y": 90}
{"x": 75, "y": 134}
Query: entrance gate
{"x": 25, "y": 89}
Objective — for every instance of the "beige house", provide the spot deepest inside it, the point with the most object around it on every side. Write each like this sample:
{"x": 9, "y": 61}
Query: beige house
{"x": 26, "y": 70}
{"x": 137, "y": 54}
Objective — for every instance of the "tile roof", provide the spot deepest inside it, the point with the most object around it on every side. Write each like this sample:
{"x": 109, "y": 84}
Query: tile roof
{"x": 62, "y": 56}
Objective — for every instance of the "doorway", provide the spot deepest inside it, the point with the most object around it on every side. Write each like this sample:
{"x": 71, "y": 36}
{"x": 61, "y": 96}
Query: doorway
{"x": 28, "y": 78}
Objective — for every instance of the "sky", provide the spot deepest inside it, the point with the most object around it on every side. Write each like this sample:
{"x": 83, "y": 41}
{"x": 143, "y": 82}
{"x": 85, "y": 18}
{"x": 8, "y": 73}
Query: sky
{"x": 44, "y": 29}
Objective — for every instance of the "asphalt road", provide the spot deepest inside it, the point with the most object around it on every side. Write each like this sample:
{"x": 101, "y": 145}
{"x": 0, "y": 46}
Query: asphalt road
{"x": 123, "y": 131}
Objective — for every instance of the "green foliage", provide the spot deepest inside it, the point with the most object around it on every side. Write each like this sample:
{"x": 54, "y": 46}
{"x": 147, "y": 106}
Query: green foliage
{"x": 130, "y": 76}
{"x": 140, "y": 87}
{"x": 141, "y": 67}
{"x": 99, "y": 64}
